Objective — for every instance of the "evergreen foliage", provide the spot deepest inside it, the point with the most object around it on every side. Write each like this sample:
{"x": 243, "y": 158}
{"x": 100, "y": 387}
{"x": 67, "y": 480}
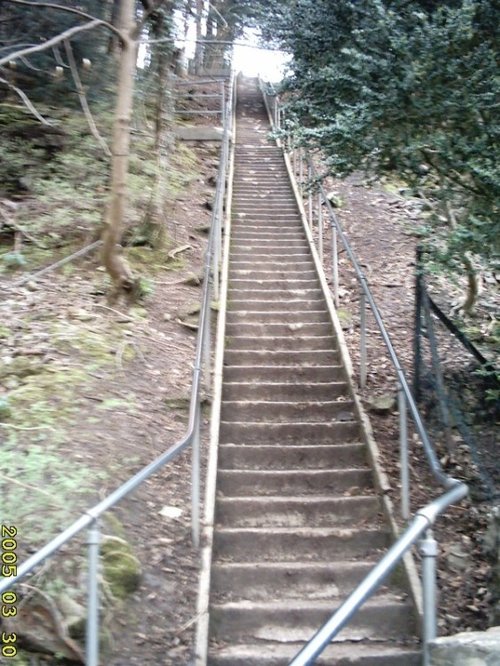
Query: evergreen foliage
{"x": 45, "y": 75}
{"x": 405, "y": 86}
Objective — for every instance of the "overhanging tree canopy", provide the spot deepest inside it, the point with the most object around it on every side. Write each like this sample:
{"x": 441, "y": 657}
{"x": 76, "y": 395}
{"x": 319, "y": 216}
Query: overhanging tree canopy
{"x": 409, "y": 86}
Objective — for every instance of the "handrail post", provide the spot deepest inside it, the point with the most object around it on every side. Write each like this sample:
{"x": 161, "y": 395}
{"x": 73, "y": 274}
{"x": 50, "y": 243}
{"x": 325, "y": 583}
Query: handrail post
{"x": 403, "y": 454}
{"x": 428, "y": 549}
{"x": 207, "y": 348}
{"x": 223, "y": 103}
{"x": 335, "y": 266}
{"x": 215, "y": 263}
{"x": 92, "y": 634}
{"x": 362, "y": 340}
{"x": 310, "y": 196}
{"x": 417, "y": 351}
{"x": 195, "y": 481}
{"x": 301, "y": 171}
{"x": 320, "y": 228}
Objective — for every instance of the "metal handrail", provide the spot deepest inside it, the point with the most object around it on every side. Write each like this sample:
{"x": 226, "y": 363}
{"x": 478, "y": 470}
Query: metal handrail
{"x": 423, "y": 521}
{"x": 425, "y": 517}
{"x": 89, "y": 519}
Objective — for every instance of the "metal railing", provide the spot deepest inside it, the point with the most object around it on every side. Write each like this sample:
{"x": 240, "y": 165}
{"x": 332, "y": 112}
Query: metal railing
{"x": 90, "y": 518}
{"x": 201, "y": 97}
{"x": 299, "y": 162}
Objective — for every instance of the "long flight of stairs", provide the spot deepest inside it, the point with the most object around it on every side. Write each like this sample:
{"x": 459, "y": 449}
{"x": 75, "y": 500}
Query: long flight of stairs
{"x": 297, "y": 519}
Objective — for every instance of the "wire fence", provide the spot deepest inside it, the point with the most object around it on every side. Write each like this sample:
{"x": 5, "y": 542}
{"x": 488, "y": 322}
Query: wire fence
{"x": 455, "y": 385}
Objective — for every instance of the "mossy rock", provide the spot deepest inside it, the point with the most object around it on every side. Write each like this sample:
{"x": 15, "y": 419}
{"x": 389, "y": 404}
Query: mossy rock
{"x": 121, "y": 568}
{"x": 4, "y": 332}
{"x": 21, "y": 367}
{"x": 345, "y": 318}
{"x": 193, "y": 280}
{"x": 335, "y": 200}
{"x": 114, "y": 525}
{"x": 74, "y": 614}
{"x": 190, "y": 310}
{"x": 382, "y": 404}
{"x": 178, "y": 402}
{"x": 5, "y": 410}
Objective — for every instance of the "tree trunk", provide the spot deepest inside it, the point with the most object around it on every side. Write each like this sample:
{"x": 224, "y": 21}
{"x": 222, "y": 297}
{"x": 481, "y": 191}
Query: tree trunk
{"x": 199, "y": 49}
{"x": 473, "y": 286}
{"x": 154, "y": 228}
{"x": 118, "y": 269}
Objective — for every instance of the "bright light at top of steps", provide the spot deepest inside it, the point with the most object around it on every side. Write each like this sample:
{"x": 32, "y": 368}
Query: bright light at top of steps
{"x": 252, "y": 59}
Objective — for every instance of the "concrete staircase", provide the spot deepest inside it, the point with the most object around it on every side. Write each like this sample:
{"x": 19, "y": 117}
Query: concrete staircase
{"x": 297, "y": 520}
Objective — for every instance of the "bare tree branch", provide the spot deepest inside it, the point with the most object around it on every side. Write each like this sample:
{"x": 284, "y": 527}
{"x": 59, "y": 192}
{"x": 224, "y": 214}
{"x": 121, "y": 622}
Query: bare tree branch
{"x": 27, "y": 63}
{"x": 58, "y": 57}
{"x": 62, "y": 8}
{"x": 50, "y": 42}
{"x": 26, "y": 101}
{"x": 83, "y": 98}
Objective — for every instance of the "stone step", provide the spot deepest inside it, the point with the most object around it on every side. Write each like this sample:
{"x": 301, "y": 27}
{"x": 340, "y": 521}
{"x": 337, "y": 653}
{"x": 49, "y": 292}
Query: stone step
{"x": 277, "y": 316}
{"x": 279, "y": 273}
{"x": 258, "y": 167}
{"x": 284, "y": 373}
{"x": 263, "y": 198}
{"x": 294, "y": 580}
{"x": 288, "y": 433}
{"x": 263, "y": 328}
{"x": 260, "y": 156}
{"x": 261, "y": 163}
{"x": 283, "y": 268}
{"x": 274, "y": 653}
{"x": 384, "y": 617}
{"x": 260, "y": 181}
{"x": 276, "y": 220}
{"x": 281, "y": 284}
{"x": 293, "y": 305}
{"x": 244, "y": 191}
{"x": 288, "y": 357}
{"x": 265, "y": 208}
{"x": 298, "y": 544}
{"x": 235, "y": 482}
{"x": 283, "y": 391}
{"x": 241, "y": 235}
{"x": 259, "y": 159}
{"x": 268, "y": 293}
{"x": 268, "y": 259}
{"x": 276, "y": 249}
{"x": 245, "y": 210}
{"x": 271, "y": 254}
{"x": 260, "y": 229}
{"x": 291, "y": 511}
{"x": 271, "y": 244}
{"x": 281, "y": 342}
{"x": 333, "y": 411}
{"x": 292, "y": 457}
{"x": 279, "y": 184}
